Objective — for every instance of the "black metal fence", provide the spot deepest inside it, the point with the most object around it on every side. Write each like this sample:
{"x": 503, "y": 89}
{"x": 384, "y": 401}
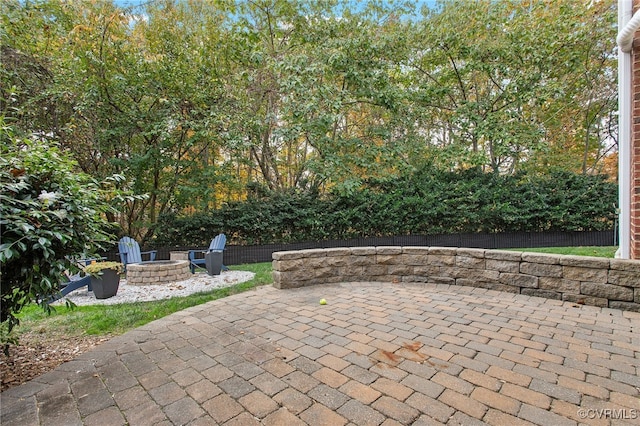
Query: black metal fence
{"x": 235, "y": 255}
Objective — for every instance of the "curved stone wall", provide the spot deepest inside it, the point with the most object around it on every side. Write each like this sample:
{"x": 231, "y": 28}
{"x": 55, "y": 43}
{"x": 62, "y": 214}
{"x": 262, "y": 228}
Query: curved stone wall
{"x": 158, "y": 272}
{"x": 612, "y": 283}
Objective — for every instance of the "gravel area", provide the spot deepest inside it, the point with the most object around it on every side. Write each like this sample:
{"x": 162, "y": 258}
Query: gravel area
{"x": 200, "y": 282}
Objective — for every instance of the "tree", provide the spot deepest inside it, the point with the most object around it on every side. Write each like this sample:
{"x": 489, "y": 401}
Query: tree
{"x": 499, "y": 83}
{"x": 580, "y": 119}
{"x": 146, "y": 102}
{"x": 197, "y": 102}
{"x": 31, "y": 39}
{"x": 315, "y": 92}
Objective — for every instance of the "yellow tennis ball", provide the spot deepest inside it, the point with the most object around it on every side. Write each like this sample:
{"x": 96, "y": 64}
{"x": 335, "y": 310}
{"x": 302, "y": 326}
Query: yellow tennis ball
{"x": 323, "y": 302}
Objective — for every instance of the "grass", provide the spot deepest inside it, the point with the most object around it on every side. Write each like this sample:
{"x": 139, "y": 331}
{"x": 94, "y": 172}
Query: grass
{"x": 104, "y": 320}
{"x": 575, "y": 251}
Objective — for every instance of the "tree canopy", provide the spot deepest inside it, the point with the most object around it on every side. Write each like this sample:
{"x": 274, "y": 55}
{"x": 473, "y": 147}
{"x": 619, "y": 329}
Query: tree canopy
{"x": 199, "y": 102}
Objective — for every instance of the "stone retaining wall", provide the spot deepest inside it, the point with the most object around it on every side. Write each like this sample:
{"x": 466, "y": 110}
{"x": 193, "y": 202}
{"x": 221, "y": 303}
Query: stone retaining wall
{"x": 612, "y": 283}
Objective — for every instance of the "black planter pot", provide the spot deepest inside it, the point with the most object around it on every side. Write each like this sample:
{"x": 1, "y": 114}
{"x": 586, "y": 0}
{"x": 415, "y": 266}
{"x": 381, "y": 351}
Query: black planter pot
{"x": 213, "y": 262}
{"x": 106, "y": 285}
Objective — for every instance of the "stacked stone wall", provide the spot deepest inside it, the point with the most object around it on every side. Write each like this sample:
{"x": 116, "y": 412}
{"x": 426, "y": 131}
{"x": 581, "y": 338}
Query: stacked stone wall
{"x": 158, "y": 273}
{"x": 613, "y": 283}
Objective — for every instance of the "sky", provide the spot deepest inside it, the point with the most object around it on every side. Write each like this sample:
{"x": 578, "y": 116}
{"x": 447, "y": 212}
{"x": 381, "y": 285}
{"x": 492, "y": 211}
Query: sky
{"x": 127, "y": 3}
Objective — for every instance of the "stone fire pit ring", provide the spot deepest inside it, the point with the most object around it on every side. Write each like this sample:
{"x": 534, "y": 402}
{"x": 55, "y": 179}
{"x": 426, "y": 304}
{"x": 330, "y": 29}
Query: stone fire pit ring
{"x": 158, "y": 272}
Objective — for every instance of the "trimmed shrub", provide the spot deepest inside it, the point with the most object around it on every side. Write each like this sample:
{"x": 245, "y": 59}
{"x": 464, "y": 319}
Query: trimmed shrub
{"x": 425, "y": 203}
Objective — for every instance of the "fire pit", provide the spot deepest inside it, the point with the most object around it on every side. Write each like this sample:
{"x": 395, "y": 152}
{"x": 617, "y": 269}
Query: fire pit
{"x": 158, "y": 272}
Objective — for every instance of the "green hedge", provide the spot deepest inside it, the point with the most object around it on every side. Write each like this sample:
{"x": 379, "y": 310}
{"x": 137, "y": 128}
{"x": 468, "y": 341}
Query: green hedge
{"x": 428, "y": 202}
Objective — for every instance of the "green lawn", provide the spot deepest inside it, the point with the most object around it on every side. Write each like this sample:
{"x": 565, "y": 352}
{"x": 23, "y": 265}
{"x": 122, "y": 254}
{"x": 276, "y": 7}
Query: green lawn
{"x": 576, "y": 251}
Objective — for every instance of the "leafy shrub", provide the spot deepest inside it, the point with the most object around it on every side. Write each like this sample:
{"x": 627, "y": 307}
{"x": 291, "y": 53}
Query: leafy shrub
{"x": 49, "y": 214}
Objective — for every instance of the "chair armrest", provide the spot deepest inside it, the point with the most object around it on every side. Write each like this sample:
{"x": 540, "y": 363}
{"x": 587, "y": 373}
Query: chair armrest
{"x": 152, "y": 254}
{"x": 192, "y": 254}
{"x": 76, "y": 284}
{"x": 74, "y": 277}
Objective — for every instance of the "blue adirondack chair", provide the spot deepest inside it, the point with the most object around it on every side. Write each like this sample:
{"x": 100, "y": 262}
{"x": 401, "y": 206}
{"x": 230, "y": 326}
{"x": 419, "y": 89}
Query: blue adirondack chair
{"x": 75, "y": 282}
{"x": 129, "y": 251}
{"x": 217, "y": 244}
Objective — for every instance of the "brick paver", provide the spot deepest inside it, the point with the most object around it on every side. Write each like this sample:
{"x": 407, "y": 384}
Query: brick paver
{"x": 375, "y": 354}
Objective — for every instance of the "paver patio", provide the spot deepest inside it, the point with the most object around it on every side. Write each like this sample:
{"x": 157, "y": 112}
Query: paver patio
{"x": 377, "y": 353}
